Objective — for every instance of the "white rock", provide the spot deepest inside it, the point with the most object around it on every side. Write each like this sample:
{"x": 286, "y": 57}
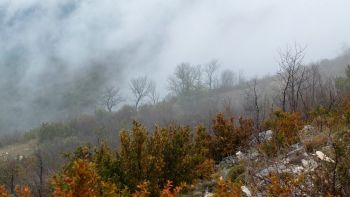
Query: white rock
{"x": 324, "y": 157}
{"x": 240, "y": 155}
{"x": 254, "y": 154}
{"x": 286, "y": 161}
{"x": 297, "y": 169}
{"x": 309, "y": 165}
{"x": 308, "y": 127}
{"x": 246, "y": 191}
{"x": 208, "y": 194}
{"x": 266, "y": 135}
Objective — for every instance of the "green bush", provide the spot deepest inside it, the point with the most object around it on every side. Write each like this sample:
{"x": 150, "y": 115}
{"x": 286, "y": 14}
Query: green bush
{"x": 236, "y": 173}
{"x": 49, "y": 131}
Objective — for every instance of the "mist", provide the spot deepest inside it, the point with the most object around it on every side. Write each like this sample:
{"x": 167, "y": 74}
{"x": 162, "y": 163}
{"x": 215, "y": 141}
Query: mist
{"x": 57, "y": 55}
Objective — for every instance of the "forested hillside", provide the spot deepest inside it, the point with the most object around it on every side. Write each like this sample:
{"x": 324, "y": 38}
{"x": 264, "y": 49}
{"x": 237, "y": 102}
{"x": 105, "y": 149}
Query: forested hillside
{"x": 215, "y": 134}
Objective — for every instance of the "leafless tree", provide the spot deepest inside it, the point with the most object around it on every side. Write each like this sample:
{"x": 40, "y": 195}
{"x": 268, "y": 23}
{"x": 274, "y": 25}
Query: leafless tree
{"x": 186, "y": 79}
{"x": 227, "y": 104}
{"x": 40, "y": 172}
{"x": 331, "y": 95}
{"x": 111, "y": 97}
{"x": 315, "y": 82}
{"x": 311, "y": 87}
{"x": 253, "y": 102}
{"x": 228, "y": 78}
{"x": 140, "y": 88}
{"x": 153, "y": 95}
{"x": 210, "y": 71}
{"x": 291, "y": 74}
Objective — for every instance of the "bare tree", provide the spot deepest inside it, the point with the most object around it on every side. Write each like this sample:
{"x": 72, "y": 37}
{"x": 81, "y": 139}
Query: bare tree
{"x": 111, "y": 98}
{"x": 253, "y": 102}
{"x": 291, "y": 74}
{"x": 210, "y": 71}
{"x": 40, "y": 172}
{"x": 186, "y": 79}
{"x": 227, "y": 104}
{"x": 153, "y": 95}
{"x": 140, "y": 88}
{"x": 197, "y": 76}
{"x": 228, "y": 78}
{"x": 309, "y": 88}
{"x": 331, "y": 95}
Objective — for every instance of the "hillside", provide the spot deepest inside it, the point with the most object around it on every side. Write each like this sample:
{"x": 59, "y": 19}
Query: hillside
{"x": 258, "y": 146}
{"x": 335, "y": 67}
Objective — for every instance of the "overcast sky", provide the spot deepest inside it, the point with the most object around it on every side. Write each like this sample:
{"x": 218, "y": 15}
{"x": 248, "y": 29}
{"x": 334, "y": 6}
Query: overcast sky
{"x": 56, "y": 56}
{"x": 156, "y": 35}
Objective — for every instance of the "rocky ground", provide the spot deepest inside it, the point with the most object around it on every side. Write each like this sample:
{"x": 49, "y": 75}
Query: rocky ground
{"x": 297, "y": 160}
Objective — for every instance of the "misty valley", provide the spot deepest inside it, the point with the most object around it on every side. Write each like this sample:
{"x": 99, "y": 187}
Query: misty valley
{"x": 186, "y": 98}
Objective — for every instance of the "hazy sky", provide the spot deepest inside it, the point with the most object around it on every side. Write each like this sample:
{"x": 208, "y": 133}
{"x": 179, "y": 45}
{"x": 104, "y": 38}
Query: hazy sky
{"x": 244, "y": 35}
{"x": 56, "y": 56}
{"x": 153, "y": 36}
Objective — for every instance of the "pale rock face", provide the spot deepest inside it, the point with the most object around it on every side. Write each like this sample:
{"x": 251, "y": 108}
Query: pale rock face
{"x": 246, "y": 191}
{"x": 309, "y": 165}
{"x": 324, "y": 157}
{"x": 298, "y": 170}
{"x": 266, "y": 135}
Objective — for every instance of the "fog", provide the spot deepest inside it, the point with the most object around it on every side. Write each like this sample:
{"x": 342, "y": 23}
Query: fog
{"x": 55, "y": 52}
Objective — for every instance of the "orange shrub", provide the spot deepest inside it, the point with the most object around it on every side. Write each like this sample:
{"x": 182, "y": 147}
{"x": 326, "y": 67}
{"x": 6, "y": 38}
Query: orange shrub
{"x": 3, "y": 191}
{"x": 228, "y": 136}
{"x": 169, "y": 190}
{"x": 80, "y": 179}
{"x": 227, "y": 189}
{"x": 23, "y": 191}
{"x": 284, "y": 185}
{"x": 287, "y": 124}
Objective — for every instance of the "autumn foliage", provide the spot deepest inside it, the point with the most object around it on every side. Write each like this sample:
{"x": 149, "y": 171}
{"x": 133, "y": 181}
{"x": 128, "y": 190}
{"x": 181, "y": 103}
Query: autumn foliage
{"x": 284, "y": 185}
{"x": 287, "y": 124}
{"x": 80, "y": 178}
{"x": 227, "y": 189}
{"x": 229, "y": 136}
{"x": 285, "y": 127}
{"x": 154, "y": 163}
{"x": 21, "y": 191}
{"x": 146, "y": 164}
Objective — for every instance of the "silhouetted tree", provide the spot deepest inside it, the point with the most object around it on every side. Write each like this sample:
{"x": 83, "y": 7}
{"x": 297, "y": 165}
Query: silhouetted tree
{"x": 152, "y": 94}
{"x": 292, "y": 75}
{"x": 210, "y": 71}
{"x": 228, "y": 78}
{"x": 111, "y": 98}
{"x": 186, "y": 79}
{"x": 140, "y": 88}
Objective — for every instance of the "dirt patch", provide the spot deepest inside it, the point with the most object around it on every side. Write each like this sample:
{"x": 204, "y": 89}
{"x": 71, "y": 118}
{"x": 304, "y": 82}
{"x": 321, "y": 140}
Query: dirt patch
{"x": 23, "y": 149}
